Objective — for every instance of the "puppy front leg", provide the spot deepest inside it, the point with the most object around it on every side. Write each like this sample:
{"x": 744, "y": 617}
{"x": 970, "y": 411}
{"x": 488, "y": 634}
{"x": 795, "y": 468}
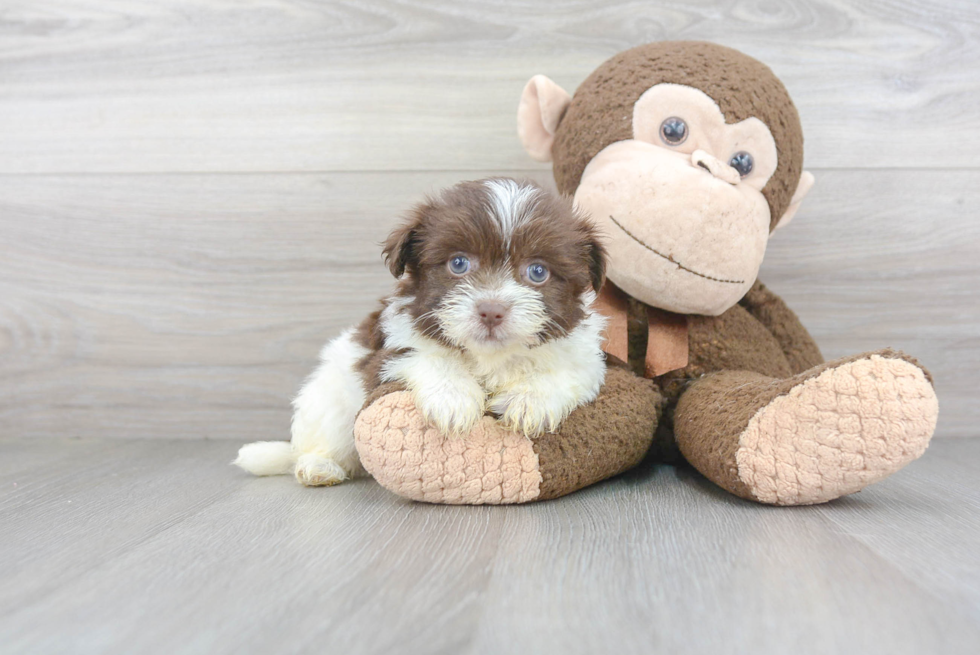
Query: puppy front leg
{"x": 539, "y": 401}
{"x": 536, "y": 404}
{"x": 445, "y": 392}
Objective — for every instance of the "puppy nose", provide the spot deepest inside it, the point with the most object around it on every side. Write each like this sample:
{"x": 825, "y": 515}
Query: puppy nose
{"x": 491, "y": 313}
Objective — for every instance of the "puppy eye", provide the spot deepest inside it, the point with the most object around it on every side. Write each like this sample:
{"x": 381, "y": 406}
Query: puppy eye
{"x": 537, "y": 273}
{"x": 742, "y": 162}
{"x": 459, "y": 265}
{"x": 673, "y": 131}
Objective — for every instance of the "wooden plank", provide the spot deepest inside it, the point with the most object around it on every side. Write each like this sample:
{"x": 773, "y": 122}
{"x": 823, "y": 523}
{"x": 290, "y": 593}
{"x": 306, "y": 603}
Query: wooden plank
{"x": 932, "y": 507}
{"x": 90, "y": 502}
{"x": 190, "y": 306}
{"x": 284, "y": 85}
{"x": 181, "y": 553}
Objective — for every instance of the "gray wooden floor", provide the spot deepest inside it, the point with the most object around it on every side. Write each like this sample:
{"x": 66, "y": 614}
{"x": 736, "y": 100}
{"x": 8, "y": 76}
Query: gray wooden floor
{"x": 155, "y": 546}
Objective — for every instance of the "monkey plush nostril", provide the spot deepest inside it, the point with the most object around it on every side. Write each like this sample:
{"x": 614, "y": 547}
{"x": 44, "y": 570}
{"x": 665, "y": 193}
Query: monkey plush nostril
{"x": 491, "y": 313}
{"x": 715, "y": 166}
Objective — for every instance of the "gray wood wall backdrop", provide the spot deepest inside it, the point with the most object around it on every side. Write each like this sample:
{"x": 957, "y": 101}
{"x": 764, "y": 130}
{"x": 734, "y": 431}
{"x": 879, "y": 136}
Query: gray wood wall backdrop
{"x": 192, "y": 193}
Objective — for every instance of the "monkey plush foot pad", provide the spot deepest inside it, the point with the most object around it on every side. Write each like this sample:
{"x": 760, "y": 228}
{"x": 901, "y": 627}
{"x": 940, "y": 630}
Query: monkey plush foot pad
{"x": 491, "y": 465}
{"x": 835, "y": 433}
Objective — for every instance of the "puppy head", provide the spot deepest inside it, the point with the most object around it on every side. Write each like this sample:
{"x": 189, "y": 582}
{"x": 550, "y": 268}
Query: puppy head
{"x": 496, "y": 263}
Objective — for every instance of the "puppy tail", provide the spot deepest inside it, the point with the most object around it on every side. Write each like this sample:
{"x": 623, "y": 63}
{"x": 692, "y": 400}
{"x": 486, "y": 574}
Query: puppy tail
{"x": 266, "y": 458}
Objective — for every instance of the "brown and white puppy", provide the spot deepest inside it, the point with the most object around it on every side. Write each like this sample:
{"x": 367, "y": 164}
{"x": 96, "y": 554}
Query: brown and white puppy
{"x": 492, "y": 313}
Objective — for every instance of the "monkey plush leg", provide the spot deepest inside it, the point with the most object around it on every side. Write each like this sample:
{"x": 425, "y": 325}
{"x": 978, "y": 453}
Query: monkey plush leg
{"x": 492, "y": 465}
{"x": 824, "y": 433}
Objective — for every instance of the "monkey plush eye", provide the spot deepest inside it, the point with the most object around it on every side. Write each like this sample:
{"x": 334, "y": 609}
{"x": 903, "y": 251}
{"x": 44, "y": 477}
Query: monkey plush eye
{"x": 459, "y": 265}
{"x": 537, "y": 273}
{"x": 742, "y": 162}
{"x": 673, "y": 131}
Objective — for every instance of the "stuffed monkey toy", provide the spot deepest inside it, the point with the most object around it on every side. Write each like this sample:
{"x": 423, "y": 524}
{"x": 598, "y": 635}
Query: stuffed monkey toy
{"x": 687, "y": 155}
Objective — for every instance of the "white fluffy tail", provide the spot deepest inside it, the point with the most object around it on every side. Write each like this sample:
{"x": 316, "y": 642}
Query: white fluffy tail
{"x": 267, "y": 458}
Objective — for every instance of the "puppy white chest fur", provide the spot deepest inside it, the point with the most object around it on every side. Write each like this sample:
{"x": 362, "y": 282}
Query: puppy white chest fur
{"x": 531, "y": 389}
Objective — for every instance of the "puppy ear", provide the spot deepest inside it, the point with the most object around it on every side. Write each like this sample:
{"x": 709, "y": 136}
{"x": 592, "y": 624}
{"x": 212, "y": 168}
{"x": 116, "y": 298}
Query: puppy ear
{"x": 401, "y": 249}
{"x": 597, "y": 263}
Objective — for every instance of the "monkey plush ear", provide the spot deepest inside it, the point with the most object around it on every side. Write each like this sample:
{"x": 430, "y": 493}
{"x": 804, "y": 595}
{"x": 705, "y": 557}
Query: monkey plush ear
{"x": 804, "y": 186}
{"x": 543, "y": 103}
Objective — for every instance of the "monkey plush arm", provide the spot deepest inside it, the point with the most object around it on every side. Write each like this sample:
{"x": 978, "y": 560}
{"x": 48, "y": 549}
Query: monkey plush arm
{"x": 494, "y": 465}
{"x": 770, "y": 310}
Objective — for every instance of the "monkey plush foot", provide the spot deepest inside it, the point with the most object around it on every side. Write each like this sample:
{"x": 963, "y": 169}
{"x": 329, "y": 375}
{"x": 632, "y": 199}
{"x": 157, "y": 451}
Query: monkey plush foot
{"x": 493, "y": 465}
{"x": 823, "y": 434}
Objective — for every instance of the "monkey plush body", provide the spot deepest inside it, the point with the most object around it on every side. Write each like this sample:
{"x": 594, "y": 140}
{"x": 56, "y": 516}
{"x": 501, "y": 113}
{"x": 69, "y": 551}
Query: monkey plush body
{"x": 687, "y": 155}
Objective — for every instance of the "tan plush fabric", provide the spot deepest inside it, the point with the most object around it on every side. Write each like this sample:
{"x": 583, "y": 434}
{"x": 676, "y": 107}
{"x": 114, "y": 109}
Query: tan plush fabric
{"x": 678, "y": 238}
{"x": 838, "y": 432}
{"x": 542, "y": 105}
{"x": 710, "y": 137}
{"x": 489, "y": 466}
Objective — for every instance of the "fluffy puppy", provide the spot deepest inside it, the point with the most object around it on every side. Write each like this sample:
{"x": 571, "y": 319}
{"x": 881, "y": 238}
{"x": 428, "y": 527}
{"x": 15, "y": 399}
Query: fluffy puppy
{"x": 492, "y": 313}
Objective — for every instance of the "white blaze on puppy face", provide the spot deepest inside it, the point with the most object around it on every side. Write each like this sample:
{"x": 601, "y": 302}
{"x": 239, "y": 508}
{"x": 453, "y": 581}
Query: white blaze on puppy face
{"x": 685, "y": 230}
{"x": 511, "y": 205}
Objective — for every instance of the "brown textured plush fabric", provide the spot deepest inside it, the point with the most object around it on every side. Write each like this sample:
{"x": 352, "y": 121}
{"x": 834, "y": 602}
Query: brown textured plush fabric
{"x": 601, "y": 439}
{"x": 738, "y": 341}
{"x": 601, "y": 112}
{"x": 710, "y": 417}
{"x": 769, "y": 309}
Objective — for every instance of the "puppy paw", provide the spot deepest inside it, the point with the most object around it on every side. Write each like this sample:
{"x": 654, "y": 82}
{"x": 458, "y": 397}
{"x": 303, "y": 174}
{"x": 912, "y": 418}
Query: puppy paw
{"x": 452, "y": 410}
{"x": 317, "y": 471}
{"x": 530, "y": 413}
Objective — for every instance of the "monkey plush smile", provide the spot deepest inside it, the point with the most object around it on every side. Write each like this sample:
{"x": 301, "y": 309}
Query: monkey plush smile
{"x": 670, "y": 258}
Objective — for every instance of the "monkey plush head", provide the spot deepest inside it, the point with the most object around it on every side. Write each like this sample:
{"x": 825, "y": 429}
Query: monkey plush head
{"x": 687, "y": 155}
